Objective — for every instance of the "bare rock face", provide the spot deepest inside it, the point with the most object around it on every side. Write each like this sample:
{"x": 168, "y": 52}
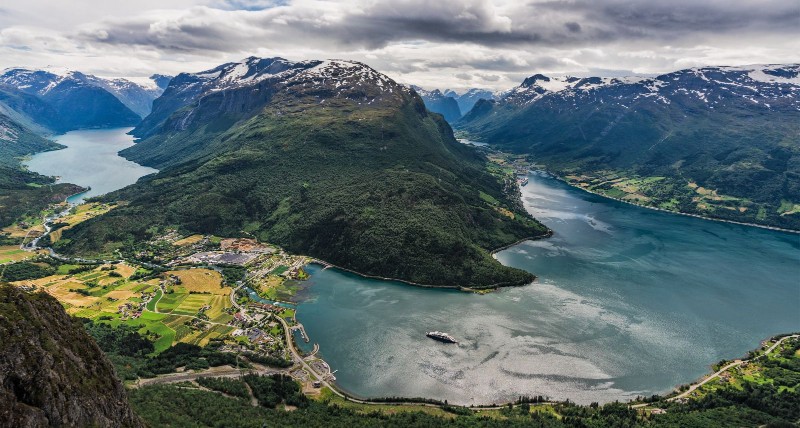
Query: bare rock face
{"x": 52, "y": 373}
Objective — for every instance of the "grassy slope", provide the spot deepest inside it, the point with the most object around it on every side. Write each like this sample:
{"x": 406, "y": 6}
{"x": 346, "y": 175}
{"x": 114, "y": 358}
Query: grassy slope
{"x": 382, "y": 189}
{"x": 747, "y": 152}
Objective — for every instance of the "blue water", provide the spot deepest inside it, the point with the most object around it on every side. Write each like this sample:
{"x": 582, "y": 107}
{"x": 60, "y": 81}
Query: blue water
{"x": 256, "y": 298}
{"x": 91, "y": 160}
{"x": 629, "y": 301}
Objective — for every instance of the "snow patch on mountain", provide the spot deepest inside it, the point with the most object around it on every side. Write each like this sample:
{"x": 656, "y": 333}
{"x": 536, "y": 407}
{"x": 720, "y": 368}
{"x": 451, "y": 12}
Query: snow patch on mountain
{"x": 761, "y": 85}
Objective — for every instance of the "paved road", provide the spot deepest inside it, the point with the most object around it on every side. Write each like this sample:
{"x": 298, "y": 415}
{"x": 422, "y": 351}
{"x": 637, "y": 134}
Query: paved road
{"x": 729, "y": 366}
{"x": 224, "y": 371}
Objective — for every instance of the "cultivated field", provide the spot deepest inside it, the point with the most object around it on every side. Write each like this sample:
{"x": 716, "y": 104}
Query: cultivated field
{"x": 193, "y": 310}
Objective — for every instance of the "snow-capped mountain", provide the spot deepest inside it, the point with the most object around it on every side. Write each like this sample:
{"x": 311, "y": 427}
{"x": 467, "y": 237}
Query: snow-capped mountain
{"x": 136, "y": 95}
{"x": 85, "y": 101}
{"x": 764, "y": 85}
{"x": 78, "y": 102}
{"x": 326, "y": 158}
{"x": 721, "y": 128}
{"x": 237, "y": 88}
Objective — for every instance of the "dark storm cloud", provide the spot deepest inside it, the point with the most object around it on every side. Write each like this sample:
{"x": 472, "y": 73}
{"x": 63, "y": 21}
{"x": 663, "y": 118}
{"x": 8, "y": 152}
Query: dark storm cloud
{"x": 680, "y": 16}
{"x": 249, "y": 4}
{"x": 373, "y": 25}
{"x": 442, "y": 21}
{"x": 495, "y": 62}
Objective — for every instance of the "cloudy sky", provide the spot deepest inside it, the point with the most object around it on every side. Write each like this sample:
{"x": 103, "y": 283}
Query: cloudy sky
{"x": 442, "y": 43}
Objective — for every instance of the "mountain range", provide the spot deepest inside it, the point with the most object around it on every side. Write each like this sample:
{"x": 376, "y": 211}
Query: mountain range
{"x": 336, "y": 160}
{"x": 449, "y": 103}
{"x": 717, "y": 141}
{"x": 437, "y": 102}
{"x": 326, "y": 158}
{"x": 61, "y": 101}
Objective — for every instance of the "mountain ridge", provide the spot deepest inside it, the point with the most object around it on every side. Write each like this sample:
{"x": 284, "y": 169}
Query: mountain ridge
{"x": 77, "y": 100}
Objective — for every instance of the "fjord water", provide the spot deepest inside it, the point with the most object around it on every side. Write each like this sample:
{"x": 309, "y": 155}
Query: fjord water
{"x": 91, "y": 160}
{"x": 629, "y": 301}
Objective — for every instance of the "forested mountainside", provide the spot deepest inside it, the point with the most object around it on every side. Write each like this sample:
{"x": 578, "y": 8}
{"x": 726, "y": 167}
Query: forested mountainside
{"x": 717, "y": 141}
{"x": 325, "y": 158}
{"x": 24, "y": 193}
{"x": 51, "y": 371}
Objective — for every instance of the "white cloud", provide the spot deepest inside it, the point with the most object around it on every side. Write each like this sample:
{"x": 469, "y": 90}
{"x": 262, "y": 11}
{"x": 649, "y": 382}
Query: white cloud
{"x": 433, "y": 44}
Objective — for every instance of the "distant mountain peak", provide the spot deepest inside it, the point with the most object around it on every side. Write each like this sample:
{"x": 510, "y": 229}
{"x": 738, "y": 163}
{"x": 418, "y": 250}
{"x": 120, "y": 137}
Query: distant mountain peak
{"x": 530, "y": 81}
{"x": 757, "y": 83}
{"x": 136, "y": 96}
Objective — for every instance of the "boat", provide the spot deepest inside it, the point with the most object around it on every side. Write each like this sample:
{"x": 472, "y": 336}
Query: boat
{"x": 441, "y": 337}
{"x": 522, "y": 181}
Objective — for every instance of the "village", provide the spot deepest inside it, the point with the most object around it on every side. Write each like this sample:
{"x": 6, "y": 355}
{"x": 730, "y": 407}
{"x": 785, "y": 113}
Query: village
{"x": 187, "y": 289}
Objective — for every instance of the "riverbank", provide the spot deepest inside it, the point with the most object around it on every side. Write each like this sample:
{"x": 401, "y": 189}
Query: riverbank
{"x": 721, "y": 220}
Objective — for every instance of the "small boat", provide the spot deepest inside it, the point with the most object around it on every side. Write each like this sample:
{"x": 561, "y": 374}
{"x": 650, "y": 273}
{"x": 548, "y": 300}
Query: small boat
{"x": 441, "y": 337}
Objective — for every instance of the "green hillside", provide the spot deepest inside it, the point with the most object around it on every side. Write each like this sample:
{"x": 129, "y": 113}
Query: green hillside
{"x": 380, "y": 187}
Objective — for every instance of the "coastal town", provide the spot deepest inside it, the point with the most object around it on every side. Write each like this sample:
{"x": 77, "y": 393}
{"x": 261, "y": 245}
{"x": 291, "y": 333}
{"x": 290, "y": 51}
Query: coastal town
{"x": 234, "y": 293}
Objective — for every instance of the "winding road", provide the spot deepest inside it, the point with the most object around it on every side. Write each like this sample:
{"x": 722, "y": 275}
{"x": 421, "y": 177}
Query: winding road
{"x": 729, "y": 366}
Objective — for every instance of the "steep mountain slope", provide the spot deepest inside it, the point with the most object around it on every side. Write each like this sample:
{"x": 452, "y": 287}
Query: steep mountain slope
{"x": 28, "y": 110}
{"x": 51, "y": 372}
{"x": 468, "y": 99}
{"x": 717, "y": 141}
{"x": 187, "y": 88}
{"x": 23, "y": 192}
{"x": 81, "y": 101}
{"x": 326, "y": 158}
{"x": 437, "y": 102}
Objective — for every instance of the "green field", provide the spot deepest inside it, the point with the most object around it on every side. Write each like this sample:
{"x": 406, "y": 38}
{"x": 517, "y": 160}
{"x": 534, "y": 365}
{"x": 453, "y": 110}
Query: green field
{"x": 97, "y": 295}
{"x": 151, "y": 305}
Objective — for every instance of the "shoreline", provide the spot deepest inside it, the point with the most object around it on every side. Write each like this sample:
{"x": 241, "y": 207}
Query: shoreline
{"x": 490, "y": 287}
{"x": 702, "y": 217}
{"x": 673, "y": 394}
{"x": 327, "y": 265}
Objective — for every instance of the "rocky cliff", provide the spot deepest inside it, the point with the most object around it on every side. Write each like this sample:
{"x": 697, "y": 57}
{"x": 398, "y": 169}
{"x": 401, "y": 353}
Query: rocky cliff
{"x": 51, "y": 371}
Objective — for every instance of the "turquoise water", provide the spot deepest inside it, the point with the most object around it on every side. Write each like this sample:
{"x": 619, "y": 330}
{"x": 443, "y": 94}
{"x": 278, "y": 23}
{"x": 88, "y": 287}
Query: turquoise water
{"x": 91, "y": 160}
{"x": 629, "y": 302}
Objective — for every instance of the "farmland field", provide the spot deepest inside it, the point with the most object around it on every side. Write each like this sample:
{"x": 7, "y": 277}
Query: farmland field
{"x": 106, "y": 294}
{"x": 12, "y": 253}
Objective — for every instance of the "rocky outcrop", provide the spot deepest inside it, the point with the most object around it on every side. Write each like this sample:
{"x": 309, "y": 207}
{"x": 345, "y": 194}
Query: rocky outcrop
{"x": 51, "y": 371}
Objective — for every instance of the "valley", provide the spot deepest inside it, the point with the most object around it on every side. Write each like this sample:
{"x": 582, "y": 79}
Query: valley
{"x": 218, "y": 272}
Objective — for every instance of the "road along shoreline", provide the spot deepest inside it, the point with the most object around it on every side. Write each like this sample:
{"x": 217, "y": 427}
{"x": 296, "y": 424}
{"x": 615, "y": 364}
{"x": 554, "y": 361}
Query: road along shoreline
{"x": 702, "y": 217}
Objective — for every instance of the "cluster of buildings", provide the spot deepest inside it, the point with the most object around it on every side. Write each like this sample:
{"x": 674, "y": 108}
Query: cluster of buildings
{"x": 131, "y": 310}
